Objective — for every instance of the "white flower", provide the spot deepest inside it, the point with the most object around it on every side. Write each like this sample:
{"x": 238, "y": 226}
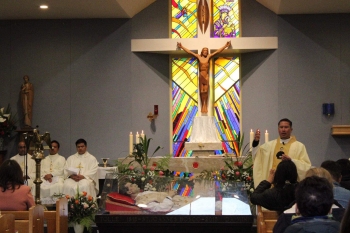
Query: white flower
{"x": 150, "y": 173}
{"x": 251, "y": 190}
{"x": 143, "y": 178}
{"x": 85, "y": 205}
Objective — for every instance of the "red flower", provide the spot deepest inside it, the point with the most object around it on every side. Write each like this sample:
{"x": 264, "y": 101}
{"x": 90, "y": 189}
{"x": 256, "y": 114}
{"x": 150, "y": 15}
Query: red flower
{"x": 84, "y": 193}
{"x": 238, "y": 164}
{"x": 237, "y": 173}
{"x": 76, "y": 201}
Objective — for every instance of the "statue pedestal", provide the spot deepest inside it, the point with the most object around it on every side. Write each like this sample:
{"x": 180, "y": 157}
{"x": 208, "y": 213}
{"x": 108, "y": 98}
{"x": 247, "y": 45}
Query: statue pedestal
{"x": 204, "y": 138}
{"x": 203, "y": 149}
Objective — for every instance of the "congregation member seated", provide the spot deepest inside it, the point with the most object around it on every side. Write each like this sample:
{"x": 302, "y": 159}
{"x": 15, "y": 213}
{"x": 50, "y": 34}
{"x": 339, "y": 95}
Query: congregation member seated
{"x": 341, "y": 194}
{"x": 52, "y": 167}
{"x": 27, "y": 165}
{"x": 81, "y": 171}
{"x": 284, "y": 220}
{"x": 14, "y": 195}
{"x": 314, "y": 200}
{"x": 345, "y": 223}
{"x": 284, "y": 181}
{"x": 345, "y": 173}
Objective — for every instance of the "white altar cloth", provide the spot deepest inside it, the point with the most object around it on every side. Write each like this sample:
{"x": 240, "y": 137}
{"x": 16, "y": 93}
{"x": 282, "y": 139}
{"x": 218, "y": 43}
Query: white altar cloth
{"x": 204, "y": 130}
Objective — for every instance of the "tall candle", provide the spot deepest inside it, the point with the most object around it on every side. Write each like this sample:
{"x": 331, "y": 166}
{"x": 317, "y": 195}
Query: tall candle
{"x": 130, "y": 143}
{"x": 142, "y": 134}
{"x": 251, "y": 139}
{"x": 266, "y": 136}
{"x": 137, "y": 138}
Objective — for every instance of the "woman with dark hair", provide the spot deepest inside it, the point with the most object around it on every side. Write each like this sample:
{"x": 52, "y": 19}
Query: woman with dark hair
{"x": 14, "y": 195}
{"x": 281, "y": 196}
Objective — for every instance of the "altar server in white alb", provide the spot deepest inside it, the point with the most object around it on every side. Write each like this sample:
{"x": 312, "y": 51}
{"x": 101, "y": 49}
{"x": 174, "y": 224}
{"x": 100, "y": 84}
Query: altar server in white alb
{"x": 28, "y": 176}
{"x": 271, "y": 153}
{"x": 52, "y": 167}
{"x": 81, "y": 170}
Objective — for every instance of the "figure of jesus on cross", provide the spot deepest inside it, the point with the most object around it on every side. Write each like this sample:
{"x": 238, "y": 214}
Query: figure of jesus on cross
{"x": 204, "y": 65}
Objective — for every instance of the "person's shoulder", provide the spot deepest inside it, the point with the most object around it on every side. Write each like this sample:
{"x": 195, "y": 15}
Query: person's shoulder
{"x": 24, "y": 188}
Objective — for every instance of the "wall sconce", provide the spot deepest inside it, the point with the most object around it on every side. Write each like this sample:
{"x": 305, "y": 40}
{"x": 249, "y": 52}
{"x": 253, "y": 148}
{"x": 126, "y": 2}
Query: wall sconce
{"x": 152, "y": 116}
{"x": 328, "y": 109}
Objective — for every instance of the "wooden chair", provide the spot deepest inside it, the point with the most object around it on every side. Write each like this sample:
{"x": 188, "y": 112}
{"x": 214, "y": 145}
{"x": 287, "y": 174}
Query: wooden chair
{"x": 266, "y": 220}
{"x": 33, "y": 220}
{"x": 7, "y": 223}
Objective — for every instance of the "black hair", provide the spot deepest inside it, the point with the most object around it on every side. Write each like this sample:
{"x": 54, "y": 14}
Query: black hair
{"x": 345, "y": 166}
{"x": 333, "y": 168}
{"x": 58, "y": 144}
{"x": 11, "y": 175}
{"x": 287, "y": 120}
{"x": 80, "y": 141}
{"x": 286, "y": 171}
{"x": 314, "y": 196}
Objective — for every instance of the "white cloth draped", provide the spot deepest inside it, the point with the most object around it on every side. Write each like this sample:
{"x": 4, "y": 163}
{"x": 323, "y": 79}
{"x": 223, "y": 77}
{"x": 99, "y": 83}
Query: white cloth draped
{"x": 204, "y": 130}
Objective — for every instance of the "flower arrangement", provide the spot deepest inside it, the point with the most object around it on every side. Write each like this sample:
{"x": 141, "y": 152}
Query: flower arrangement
{"x": 7, "y": 121}
{"x": 149, "y": 177}
{"x": 7, "y": 125}
{"x": 238, "y": 167}
{"x": 82, "y": 209}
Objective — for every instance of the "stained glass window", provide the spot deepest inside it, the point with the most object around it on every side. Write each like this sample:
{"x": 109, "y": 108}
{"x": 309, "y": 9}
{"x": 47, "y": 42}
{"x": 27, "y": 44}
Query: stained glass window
{"x": 184, "y": 105}
{"x": 184, "y": 19}
{"x": 225, "y": 18}
{"x": 227, "y": 104}
{"x": 224, "y": 22}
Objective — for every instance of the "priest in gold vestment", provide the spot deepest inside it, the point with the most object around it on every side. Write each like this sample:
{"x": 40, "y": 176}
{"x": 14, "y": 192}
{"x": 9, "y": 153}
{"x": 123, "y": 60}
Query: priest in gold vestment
{"x": 271, "y": 153}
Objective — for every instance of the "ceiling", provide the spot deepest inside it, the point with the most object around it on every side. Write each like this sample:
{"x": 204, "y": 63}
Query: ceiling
{"x": 82, "y": 9}
{"x": 71, "y": 9}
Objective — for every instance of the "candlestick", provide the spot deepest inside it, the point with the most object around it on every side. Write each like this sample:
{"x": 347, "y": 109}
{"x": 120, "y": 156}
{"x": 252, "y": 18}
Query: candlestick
{"x": 131, "y": 146}
{"x": 142, "y": 135}
{"x": 137, "y": 138}
{"x": 251, "y": 139}
{"x": 266, "y": 136}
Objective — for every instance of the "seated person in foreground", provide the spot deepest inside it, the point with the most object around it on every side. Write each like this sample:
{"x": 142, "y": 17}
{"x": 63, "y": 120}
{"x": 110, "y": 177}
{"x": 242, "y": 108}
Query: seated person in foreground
{"x": 284, "y": 220}
{"x": 345, "y": 173}
{"x": 341, "y": 194}
{"x": 81, "y": 171}
{"x": 284, "y": 181}
{"x": 52, "y": 167}
{"x": 14, "y": 195}
{"x": 345, "y": 223}
{"x": 314, "y": 200}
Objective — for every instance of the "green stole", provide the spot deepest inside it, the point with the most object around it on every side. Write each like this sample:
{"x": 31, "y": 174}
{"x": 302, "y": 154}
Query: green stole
{"x": 281, "y": 147}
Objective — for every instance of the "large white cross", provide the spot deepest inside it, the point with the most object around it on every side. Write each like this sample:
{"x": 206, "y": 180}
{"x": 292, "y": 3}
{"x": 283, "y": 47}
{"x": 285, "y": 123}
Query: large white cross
{"x": 238, "y": 45}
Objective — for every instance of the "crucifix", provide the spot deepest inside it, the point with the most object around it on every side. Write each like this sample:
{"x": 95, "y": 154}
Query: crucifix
{"x": 204, "y": 58}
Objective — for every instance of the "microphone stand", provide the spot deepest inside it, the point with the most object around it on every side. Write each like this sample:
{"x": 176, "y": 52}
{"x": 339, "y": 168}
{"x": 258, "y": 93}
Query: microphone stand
{"x": 27, "y": 142}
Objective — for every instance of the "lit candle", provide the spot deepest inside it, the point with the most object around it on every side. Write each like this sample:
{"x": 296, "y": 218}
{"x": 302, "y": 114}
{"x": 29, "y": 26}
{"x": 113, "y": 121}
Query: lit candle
{"x": 137, "y": 138}
{"x": 266, "y": 136}
{"x": 130, "y": 143}
{"x": 142, "y": 135}
{"x": 251, "y": 139}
